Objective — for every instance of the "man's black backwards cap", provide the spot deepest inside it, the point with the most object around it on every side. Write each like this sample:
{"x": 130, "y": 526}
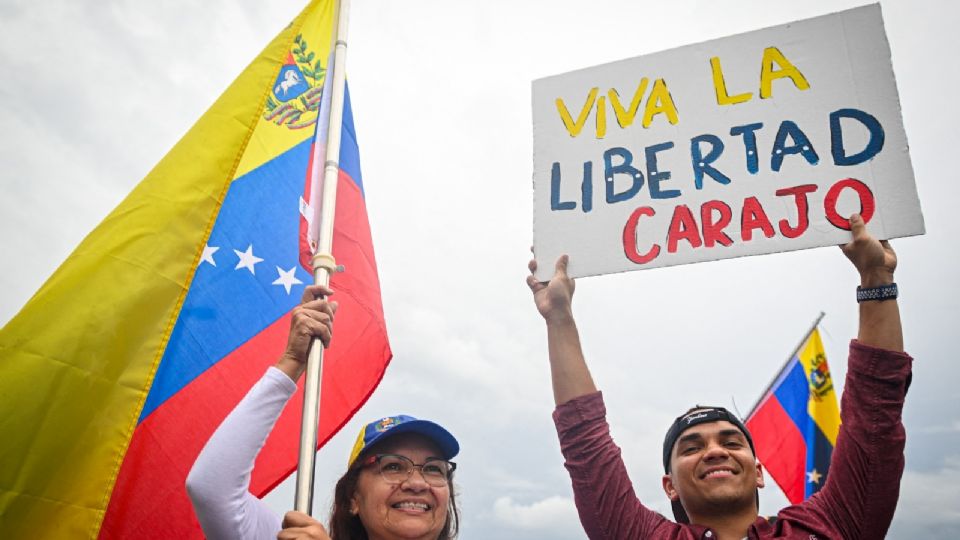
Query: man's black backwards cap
{"x": 699, "y": 415}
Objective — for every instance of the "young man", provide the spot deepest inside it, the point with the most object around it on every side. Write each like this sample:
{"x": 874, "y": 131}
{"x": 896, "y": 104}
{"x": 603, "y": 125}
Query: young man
{"x": 712, "y": 475}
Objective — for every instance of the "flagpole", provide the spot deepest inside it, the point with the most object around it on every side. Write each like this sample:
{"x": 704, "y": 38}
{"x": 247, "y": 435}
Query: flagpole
{"x": 324, "y": 265}
{"x": 788, "y": 360}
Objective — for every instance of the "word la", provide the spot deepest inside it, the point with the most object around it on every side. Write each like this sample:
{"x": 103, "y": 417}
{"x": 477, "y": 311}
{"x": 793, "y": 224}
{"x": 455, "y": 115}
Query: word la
{"x": 771, "y": 56}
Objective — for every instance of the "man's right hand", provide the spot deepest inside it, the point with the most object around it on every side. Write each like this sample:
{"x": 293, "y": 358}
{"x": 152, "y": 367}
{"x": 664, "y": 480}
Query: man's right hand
{"x": 876, "y": 263}
{"x": 875, "y": 260}
{"x": 554, "y": 298}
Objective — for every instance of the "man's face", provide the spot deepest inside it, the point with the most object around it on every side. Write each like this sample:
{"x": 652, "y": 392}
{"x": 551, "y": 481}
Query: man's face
{"x": 713, "y": 471}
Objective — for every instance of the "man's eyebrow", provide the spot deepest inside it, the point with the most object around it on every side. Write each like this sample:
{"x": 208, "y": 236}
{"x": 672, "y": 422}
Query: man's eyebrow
{"x": 732, "y": 433}
{"x": 690, "y": 437}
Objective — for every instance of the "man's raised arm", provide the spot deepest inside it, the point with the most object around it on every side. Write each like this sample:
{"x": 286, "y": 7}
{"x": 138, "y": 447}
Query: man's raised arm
{"x": 571, "y": 378}
{"x": 876, "y": 262}
{"x": 863, "y": 485}
{"x": 608, "y": 507}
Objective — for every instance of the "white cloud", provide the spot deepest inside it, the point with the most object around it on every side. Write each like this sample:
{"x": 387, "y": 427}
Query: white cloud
{"x": 554, "y": 514}
{"x": 929, "y": 503}
{"x": 952, "y": 427}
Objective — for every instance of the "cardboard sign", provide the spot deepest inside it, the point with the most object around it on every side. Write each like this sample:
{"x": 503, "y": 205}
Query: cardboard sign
{"x": 757, "y": 143}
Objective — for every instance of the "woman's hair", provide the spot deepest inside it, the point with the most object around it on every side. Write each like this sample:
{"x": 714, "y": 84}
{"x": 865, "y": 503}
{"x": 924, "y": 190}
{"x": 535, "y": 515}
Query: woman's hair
{"x": 345, "y": 525}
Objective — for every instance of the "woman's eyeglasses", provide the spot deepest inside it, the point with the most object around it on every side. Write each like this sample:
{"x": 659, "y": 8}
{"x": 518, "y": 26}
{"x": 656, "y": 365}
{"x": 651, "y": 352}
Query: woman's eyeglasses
{"x": 396, "y": 469}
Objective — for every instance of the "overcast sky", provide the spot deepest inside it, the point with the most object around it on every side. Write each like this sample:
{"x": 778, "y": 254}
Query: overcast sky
{"x": 95, "y": 93}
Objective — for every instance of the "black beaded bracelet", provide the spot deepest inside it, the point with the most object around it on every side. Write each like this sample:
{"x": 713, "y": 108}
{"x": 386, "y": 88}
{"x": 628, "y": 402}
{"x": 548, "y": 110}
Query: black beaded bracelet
{"x": 884, "y": 292}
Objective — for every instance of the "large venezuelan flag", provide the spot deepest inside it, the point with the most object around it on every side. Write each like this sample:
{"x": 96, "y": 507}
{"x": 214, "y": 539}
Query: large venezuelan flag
{"x": 795, "y": 425}
{"x": 116, "y": 372}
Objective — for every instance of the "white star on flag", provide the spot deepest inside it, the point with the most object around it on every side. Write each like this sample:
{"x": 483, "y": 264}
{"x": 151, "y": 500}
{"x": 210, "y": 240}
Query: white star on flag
{"x": 814, "y": 477}
{"x": 208, "y": 252}
{"x": 287, "y": 278}
{"x": 247, "y": 259}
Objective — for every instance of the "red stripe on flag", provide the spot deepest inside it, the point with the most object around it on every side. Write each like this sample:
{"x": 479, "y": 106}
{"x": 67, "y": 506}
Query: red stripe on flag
{"x": 149, "y": 499}
{"x": 306, "y": 249}
{"x": 780, "y": 447}
{"x": 165, "y": 445}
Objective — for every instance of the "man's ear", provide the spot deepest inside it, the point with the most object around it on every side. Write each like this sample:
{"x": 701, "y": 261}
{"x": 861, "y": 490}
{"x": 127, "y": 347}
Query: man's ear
{"x": 669, "y": 489}
{"x": 759, "y": 475}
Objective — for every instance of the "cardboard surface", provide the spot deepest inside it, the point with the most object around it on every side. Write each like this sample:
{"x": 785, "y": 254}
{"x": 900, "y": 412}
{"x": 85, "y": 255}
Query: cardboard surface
{"x": 756, "y": 143}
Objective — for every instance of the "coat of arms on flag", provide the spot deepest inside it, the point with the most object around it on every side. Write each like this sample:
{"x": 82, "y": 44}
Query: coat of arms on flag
{"x": 295, "y": 99}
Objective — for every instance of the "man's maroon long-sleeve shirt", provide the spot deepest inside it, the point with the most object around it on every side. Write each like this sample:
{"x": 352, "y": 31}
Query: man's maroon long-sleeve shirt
{"x": 857, "y": 501}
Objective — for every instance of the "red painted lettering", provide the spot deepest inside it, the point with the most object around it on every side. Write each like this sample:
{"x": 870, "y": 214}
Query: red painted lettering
{"x": 754, "y": 217}
{"x": 868, "y": 203}
{"x": 683, "y": 226}
{"x": 803, "y": 219}
{"x": 630, "y": 237}
{"x": 713, "y": 231}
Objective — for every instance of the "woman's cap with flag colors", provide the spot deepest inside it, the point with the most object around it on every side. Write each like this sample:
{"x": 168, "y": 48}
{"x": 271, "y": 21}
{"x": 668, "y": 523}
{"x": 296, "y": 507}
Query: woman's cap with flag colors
{"x": 390, "y": 426}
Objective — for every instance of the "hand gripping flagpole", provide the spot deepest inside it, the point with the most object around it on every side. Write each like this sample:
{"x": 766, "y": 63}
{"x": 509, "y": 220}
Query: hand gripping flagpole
{"x": 324, "y": 265}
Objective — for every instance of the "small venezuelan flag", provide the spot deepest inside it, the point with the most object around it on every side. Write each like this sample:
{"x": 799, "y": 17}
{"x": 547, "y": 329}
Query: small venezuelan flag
{"x": 116, "y": 372}
{"x": 795, "y": 424}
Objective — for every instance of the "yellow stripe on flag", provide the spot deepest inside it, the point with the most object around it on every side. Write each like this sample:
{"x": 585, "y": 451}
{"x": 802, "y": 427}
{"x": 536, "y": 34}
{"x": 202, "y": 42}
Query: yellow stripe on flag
{"x": 288, "y": 124}
{"x": 822, "y": 404}
{"x": 78, "y": 360}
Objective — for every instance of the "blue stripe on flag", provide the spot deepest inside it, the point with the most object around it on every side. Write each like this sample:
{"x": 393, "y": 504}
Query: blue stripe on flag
{"x": 349, "y": 150}
{"x": 203, "y": 334}
{"x": 819, "y": 452}
{"x": 792, "y": 392}
{"x": 212, "y": 323}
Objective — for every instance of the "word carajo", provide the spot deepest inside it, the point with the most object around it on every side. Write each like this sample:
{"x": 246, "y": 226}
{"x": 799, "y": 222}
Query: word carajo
{"x": 716, "y": 215}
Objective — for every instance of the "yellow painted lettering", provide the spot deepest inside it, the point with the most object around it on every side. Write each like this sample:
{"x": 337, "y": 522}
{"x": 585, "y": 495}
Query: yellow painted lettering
{"x": 601, "y": 117}
{"x": 723, "y": 98}
{"x": 773, "y": 55}
{"x": 574, "y": 128}
{"x": 659, "y": 102}
{"x": 625, "y": 117}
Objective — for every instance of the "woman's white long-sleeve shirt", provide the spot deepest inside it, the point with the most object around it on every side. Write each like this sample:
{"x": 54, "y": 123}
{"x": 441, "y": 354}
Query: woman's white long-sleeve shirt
{"x": 219, "y": 482}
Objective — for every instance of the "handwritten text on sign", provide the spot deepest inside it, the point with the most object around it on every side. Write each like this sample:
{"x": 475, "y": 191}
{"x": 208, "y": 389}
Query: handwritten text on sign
{"x": 757, "y": 143}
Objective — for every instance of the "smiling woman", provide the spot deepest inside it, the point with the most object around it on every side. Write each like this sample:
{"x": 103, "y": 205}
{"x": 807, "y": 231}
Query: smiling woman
{"x": 399, "y": 478}
{"x": 398, "y": 484}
